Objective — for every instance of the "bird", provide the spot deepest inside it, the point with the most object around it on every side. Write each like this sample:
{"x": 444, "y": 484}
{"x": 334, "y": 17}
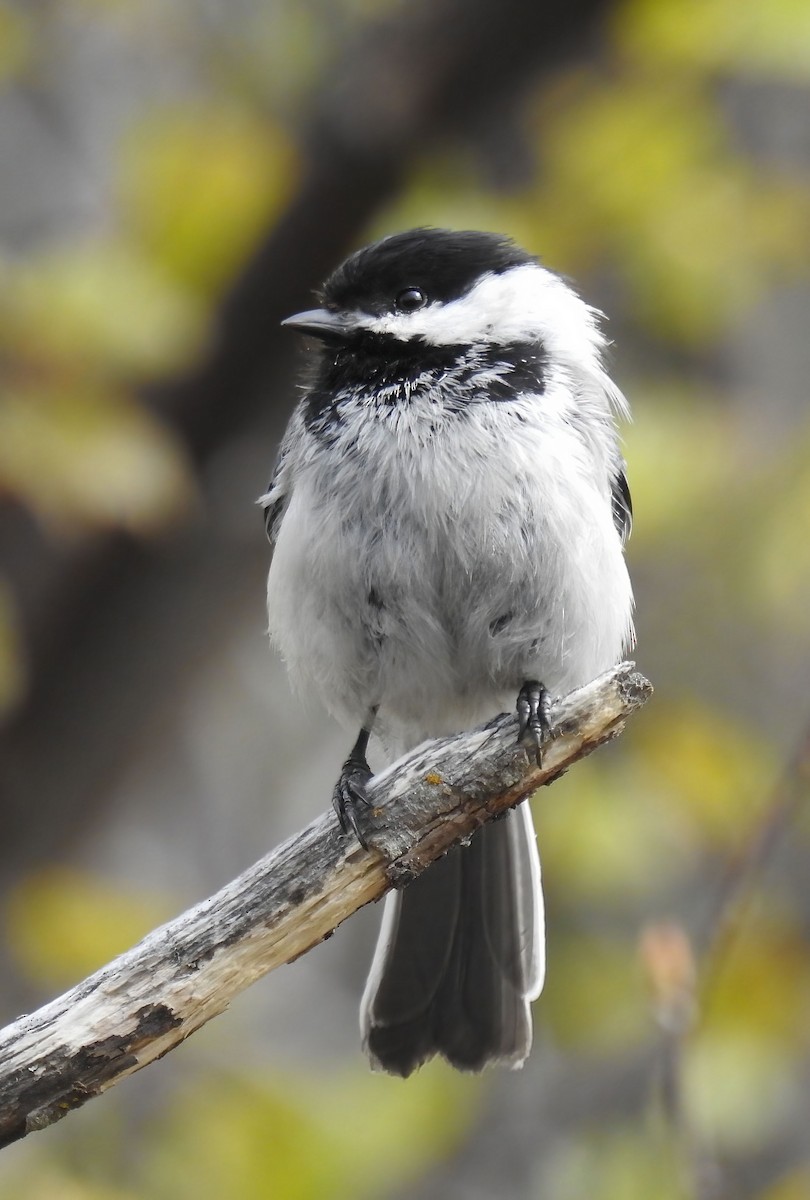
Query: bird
{"x": 448, "y": 512}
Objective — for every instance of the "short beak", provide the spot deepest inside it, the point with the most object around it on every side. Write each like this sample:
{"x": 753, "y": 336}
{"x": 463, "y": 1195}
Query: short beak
{"x": 321, "y": 323}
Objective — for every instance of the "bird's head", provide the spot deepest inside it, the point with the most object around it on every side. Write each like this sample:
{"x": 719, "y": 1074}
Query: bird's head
{"x": 443, "y": 288}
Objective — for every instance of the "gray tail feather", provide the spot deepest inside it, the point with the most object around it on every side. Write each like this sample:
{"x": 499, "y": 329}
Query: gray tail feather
{"x": 460, "y": 955}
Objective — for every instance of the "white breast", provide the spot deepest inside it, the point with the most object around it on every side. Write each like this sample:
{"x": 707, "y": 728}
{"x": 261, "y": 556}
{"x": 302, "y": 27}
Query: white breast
{"x": 433, "y": 562}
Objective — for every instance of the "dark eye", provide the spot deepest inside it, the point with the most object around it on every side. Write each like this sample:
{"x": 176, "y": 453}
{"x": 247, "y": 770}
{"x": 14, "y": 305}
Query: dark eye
{"x": 410, "y": 299}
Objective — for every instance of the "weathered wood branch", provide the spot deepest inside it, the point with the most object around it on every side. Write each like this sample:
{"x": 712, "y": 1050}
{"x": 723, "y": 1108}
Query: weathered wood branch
{"x": 144, "y": 1003}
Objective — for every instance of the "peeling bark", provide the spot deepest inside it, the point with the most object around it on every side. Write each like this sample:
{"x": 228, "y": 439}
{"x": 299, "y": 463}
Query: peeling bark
{"x": 144, "y": 1003}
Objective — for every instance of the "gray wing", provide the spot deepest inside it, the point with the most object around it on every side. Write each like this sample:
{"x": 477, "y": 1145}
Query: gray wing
{"x": 621, "y": 503}
{"x": 274, "y": 503}
{"x": 279, "y": 490}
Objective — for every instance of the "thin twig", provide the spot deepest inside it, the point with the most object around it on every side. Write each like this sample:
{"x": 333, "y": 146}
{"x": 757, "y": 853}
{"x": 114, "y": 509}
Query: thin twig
{"x": 725, "y": 918}
{"x": 682, "y": 976}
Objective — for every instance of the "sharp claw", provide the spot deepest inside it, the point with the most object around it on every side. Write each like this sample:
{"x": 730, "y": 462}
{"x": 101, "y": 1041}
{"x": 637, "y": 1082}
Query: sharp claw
{"x": 534, "y": 717}
{"x": 349, "y": 795}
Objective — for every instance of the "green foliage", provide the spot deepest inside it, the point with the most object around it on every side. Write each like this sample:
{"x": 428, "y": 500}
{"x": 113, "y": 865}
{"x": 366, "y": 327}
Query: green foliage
{"x": 198, "y": 186}
{"x": 342, "y": 1136}
{"x": 49, "y": 1182}
{"x": 601, "y": 843}
{"x": 685, "y": 460}
{"x": 634, "y": 180}
{"x": 63, "y": 924}
{"x": 105, "y": 459}
{"x": 595, "y": 1004}
{"x": 705, "y": 772}
{"x": 761, "y": 986}
{"x": 639, "y": 174}
{"x": 708, "y": 492}
{"x": 777, "y": 579}
{"x": 98, "y": 307}
{"x": 297, "y": 1139}
{"x": 80, "y": 323}
{"x": 15, "y": 42}
{"x": 623, "y": 1163}
{"x": 708, "y": 36}
{"x": 795, "y": 1185}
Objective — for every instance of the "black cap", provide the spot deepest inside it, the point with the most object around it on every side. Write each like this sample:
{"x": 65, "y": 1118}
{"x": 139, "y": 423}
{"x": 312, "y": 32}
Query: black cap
{"x": 443, "y": 263}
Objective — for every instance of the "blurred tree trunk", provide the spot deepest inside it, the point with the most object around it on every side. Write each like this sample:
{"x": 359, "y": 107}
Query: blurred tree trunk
{"x": 113, "y": 630}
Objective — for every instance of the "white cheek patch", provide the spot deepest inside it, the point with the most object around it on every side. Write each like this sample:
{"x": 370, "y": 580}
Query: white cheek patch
{"x": 526, "y": 303}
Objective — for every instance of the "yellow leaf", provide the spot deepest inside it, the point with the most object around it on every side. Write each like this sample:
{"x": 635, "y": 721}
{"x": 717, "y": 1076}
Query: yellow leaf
{"x": 618, "y": 1163}
{"x": 777, "y": 557}
{"x": 707, "y": 769}
{"x": 601, "y": 842}
{"x": 683, "y": 459}
{"x": 737, "y": 35}
{"x": 255, "y": 1140}
{"x": 63, "y": 924}
{"x": 739, "y": 1089}
{"x": 88, "y": 457}
{"x": 761, "y": 985}
{"x": 200, "y": 184}
{"x": 100, "y": 307}
{"x": 641, "y": 172}
{"x": 595, "y": 999}
{"x": 38, "y": 1181}
{"x": 793, "y": 1186}
{"x": 15, "y": 41}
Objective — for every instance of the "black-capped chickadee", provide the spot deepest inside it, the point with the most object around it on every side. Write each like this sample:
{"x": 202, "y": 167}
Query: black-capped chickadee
{"x": 448, "y": 512}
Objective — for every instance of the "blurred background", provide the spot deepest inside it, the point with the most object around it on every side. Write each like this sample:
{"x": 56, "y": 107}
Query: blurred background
{"x": 175, "y": 179}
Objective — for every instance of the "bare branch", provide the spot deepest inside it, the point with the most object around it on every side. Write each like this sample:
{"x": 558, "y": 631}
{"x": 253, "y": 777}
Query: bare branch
{"x": 724, "y": 920}
{"x": 682, "y": 974}
{"x": 144, "y": 1003}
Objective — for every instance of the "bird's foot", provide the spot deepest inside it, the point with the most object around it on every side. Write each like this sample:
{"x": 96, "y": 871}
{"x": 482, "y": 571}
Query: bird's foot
{"x": 534, "y": 723}
{"x": 350, "y": 794}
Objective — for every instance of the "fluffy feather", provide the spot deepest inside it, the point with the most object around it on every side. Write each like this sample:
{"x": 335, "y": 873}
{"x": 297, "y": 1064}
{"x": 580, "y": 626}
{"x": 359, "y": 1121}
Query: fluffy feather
{"x": 448, "y": 511}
